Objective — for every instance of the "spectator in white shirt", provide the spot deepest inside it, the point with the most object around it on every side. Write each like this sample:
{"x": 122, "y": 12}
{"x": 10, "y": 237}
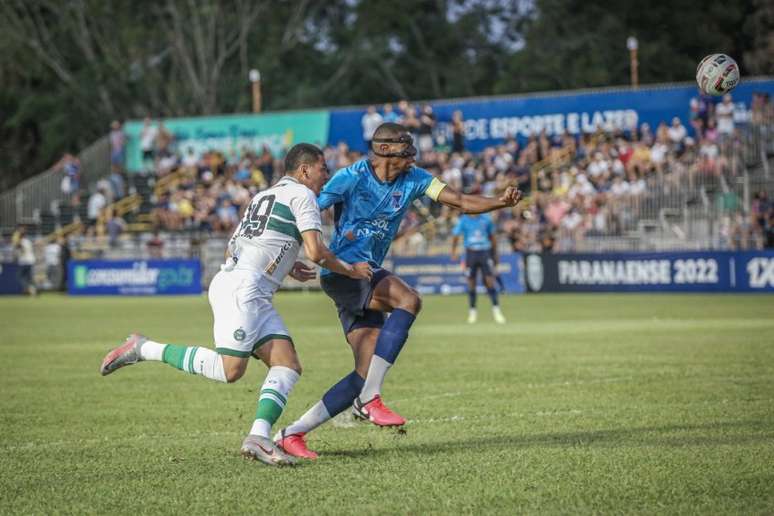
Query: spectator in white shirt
{"x": 724, "y": 113}
{"x": 148, "y": 136}
{"x": 572, "y": 220}
{"x": 452, "y": 176}
{"x": 658, "y": 153}
{"x": 677, "y": 132}
{"x": 619, "y": 187}
{"x": 52, "y": 256}
{"x": 599, "y": 166}
{"x": 708, "y": 150}
{"x": 190, "y": 160}
{"x": 370, "y": 121}
{"x": 25, "y": 258}
{"x": 97, "y": 202}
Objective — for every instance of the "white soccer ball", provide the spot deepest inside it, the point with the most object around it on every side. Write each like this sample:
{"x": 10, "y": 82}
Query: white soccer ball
{"x": 717, "y": 74}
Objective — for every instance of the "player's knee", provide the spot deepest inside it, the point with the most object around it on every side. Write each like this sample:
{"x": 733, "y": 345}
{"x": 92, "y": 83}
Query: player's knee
{"x": 413, "y": 302}
{"x": 290, "y": 362}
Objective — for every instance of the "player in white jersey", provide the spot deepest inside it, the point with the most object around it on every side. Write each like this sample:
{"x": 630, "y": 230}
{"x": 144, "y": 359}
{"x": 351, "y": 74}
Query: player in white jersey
{"x": 261, "y": 252}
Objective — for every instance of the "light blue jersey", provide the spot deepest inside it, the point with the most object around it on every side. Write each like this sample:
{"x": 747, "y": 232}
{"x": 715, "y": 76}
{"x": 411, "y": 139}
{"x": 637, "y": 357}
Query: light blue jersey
{"x": 368, "y": 212}
{"x": 476, "y": 231}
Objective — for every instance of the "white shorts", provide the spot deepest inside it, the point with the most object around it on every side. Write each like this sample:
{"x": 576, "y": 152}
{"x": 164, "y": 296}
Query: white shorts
{"x": 244, "y": 315}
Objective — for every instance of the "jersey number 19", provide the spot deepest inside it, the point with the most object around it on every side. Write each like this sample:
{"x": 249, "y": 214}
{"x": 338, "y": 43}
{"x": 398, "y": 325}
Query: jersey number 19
{"x": 255, "y": 224}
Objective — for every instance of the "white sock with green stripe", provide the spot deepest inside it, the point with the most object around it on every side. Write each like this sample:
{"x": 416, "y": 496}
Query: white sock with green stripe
{"x": 152, "y": 350}
{"x": 191, "y": 359}
{"x": 273, "y": 398}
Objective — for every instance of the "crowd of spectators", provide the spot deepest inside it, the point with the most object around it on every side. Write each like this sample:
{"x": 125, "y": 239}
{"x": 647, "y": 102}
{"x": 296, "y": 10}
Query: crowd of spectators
{"x": 579, "y": 186}
{"x": 582, "y": 186}
{"x": 594, "y": 185}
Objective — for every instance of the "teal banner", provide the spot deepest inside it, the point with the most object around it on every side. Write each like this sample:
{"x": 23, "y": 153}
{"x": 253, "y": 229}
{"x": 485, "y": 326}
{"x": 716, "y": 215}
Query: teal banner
{"x": 233, "y": 134}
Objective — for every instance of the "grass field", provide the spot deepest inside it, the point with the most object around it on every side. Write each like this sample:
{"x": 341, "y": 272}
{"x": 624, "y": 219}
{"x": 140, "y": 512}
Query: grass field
{"x": 581, "y": 404}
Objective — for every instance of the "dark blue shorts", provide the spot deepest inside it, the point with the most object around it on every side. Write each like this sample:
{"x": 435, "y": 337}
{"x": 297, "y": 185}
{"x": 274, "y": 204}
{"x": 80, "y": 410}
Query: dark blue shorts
{"x": 478, "y": 260}
{"x": 352, "y": 298}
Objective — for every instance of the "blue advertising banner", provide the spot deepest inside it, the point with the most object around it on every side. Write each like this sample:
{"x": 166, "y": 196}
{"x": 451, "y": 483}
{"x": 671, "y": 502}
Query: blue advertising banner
{"x": 488, "y": 121}
{"x": 9, "y": 279}
{"x": 134, "y": 277}
{"x": 652, "y": 272}
{"x": 440, "y": 275}
{"x": 753, "y": 271}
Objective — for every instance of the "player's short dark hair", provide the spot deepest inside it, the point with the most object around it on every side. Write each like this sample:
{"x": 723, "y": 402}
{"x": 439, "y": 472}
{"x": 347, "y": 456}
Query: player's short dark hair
{"x": 389, "y": 130}
{"x": 301, "y": 154}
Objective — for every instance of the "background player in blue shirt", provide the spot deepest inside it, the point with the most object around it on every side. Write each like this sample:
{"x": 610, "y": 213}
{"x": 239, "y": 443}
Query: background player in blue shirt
{"x": 478, "y": 234}
{"x": 370, "y": 199}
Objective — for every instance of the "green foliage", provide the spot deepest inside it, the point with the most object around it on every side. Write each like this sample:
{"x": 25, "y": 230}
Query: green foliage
{"x": 603, "y": 404}
{"x": 582, "y": 43}
{"x": 69, "y": 68}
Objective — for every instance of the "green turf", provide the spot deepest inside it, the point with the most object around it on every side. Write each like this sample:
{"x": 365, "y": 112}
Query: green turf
{"x": 581, "y": 404}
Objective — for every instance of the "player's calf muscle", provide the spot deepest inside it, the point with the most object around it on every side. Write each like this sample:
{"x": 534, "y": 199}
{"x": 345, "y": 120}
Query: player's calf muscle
{"x": 234, "y": 367}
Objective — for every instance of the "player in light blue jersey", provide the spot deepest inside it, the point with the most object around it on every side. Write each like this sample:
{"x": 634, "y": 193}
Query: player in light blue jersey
{"x": 370, "y": 199}
{"x": 480, "y": 242}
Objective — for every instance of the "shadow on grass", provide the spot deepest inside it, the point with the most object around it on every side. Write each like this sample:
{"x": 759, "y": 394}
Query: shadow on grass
{"x": 710, "y": 434}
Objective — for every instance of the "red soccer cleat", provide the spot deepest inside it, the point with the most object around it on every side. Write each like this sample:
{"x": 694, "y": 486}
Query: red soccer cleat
{"x": 376, "y": 412}
{"x": 294, "y": 444}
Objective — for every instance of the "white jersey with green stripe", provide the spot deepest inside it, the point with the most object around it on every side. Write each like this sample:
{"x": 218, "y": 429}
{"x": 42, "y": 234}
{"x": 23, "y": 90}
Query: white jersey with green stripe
{"x": 268, "y": 239}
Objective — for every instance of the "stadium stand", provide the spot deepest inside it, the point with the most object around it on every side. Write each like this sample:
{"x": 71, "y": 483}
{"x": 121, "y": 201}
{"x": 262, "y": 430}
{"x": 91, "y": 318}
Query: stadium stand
{"x": 652, "y": 189}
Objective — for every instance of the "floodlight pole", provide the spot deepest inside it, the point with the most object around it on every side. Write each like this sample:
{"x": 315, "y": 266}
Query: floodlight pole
{"x": 632, "y": 44}
{"x": 255, "y": 81}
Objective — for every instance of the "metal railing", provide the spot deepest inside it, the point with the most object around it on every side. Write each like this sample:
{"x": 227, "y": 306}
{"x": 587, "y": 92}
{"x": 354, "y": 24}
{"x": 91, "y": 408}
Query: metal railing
{"x": 687, "y": 205}
{"x": 25, "y": 203}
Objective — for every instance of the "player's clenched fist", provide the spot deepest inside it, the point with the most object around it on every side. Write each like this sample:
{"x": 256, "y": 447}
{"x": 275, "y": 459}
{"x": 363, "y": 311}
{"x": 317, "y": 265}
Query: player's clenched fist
{"x": 511, "y": 196}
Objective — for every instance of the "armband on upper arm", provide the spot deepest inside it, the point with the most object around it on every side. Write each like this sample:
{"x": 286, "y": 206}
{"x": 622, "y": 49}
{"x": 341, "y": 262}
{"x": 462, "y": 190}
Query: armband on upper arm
{"x": 434, "y": 188}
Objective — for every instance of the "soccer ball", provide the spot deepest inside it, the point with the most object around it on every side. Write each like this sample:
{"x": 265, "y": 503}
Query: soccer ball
{"x": 717, "y": 74}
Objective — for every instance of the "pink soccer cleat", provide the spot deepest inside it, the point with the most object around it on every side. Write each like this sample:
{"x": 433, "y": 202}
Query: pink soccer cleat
{"x": 126, "y": 354}
{"x": 294, "y": 445}
{"x": 376, "y": 412}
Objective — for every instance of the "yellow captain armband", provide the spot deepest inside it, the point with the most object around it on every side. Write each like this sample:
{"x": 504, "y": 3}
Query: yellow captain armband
{"x": 434, "y": 188}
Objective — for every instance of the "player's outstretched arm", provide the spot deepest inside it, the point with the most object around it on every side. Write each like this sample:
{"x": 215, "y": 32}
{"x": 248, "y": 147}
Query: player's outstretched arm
{"x": 318, "y": 252}
{"x": 478, "y": 203}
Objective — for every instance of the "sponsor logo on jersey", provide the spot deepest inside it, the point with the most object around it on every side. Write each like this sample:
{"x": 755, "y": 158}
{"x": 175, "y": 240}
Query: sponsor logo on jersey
{"x": 273, "y": 265}
{"x": 377, "y": 229}
{"x": 239, "y": 334}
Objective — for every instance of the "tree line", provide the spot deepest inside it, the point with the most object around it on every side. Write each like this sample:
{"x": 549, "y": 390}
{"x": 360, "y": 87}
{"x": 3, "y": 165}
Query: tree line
{"x": 69, "y": 68}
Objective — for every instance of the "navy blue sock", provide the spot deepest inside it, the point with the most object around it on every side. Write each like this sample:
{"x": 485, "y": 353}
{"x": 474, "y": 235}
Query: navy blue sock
{"x": 394, "y": 334}
{"x": 492, "y": 295}
{"x": 341, "y": 395}
{"x": 472, "y": 298}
